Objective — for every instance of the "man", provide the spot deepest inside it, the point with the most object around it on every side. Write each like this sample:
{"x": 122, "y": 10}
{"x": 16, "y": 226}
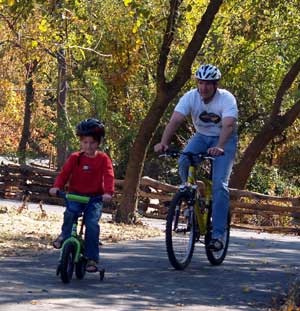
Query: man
{"x": 214, "y": 114}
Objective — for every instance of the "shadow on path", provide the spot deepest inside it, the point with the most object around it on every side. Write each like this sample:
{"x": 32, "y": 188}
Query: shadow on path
{"x": 139, "y": 277}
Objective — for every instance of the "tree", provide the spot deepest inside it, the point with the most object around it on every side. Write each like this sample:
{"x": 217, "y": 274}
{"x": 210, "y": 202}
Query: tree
{"x": 274, "y": 126}
{"x": 165, "y": 92}
{"x": 29, "y": 98}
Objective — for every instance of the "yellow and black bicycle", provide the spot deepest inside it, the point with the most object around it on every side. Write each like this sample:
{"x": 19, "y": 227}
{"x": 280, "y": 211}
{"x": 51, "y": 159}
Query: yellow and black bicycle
{"x": 189, "y": 218}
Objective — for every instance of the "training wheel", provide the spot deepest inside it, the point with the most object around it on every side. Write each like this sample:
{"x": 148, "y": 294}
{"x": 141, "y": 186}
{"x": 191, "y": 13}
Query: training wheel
{"x": 101, "y": 273}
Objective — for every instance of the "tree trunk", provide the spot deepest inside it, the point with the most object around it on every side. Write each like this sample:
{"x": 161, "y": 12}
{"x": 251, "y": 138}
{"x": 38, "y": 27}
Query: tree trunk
{"x": 61, "y": 146}
{"x": 29, "y": 98}
{"x": 275, "y": 126}
{"x": 166, "y": 91}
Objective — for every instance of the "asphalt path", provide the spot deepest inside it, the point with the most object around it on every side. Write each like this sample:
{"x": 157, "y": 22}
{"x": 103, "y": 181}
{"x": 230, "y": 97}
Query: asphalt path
{"x": 258, "y": 268}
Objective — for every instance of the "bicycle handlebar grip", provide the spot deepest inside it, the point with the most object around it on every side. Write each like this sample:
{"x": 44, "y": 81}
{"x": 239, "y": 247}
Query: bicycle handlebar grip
{"x": 73, "y": 197}
{"x": 77, "y": 198}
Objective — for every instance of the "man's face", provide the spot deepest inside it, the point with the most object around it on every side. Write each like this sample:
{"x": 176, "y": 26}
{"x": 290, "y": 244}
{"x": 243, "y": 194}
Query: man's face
{"x": 207, "y": 89}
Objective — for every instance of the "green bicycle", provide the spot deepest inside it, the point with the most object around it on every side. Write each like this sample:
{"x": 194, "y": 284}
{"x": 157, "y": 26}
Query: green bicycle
{"x": 189, "y": 218}
{"x": 72, "y": 251}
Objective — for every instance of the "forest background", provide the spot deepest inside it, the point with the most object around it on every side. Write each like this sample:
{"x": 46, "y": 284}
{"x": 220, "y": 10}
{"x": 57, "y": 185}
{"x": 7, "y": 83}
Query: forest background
{"x": 128, "y": 62}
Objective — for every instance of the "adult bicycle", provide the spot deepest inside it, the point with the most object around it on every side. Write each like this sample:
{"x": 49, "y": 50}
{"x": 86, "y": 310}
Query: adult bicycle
{"x": 189, "y": 218}
{"x": 72, "y": 251}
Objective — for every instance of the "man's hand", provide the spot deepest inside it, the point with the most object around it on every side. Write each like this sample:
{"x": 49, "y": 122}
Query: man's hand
{"x": 160, "y": 147}
{"x": 53, "y": 191}
{"x": 215, "y": 151}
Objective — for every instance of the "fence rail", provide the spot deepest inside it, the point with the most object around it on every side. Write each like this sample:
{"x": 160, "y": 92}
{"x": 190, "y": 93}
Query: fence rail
{"x": 249, "y": 209}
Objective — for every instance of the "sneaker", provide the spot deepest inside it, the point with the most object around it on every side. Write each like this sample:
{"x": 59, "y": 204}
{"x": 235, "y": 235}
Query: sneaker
{"x": 215, "y": 245}
{"x": 58, "y": 242}
{"x": 91, "y": 266}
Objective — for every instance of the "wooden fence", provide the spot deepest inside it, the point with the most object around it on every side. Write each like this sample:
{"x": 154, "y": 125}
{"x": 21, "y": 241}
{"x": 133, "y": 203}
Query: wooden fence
{"x": 249, "y": 209}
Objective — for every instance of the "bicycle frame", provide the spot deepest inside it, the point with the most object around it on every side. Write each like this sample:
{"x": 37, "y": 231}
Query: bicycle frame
{"x": 76, "y": 239}
{"x": 196, "y": 198}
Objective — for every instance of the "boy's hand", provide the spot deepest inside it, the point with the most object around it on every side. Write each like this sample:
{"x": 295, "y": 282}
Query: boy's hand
{"x": 53, "y": 191}
{"x": 106, "y": 198}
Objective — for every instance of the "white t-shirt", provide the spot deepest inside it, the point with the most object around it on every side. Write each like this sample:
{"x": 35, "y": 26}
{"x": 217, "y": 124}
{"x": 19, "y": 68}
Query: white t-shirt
{"x": 207, "y": 118}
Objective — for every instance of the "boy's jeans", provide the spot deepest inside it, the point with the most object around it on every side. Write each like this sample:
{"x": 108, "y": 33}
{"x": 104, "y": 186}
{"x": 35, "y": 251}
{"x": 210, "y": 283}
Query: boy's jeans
{"x": 222, "y": 166}
{"x": 92, "y": 213}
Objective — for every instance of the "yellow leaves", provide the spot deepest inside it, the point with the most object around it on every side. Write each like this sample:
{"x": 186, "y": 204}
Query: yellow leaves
{"x": 137, "y": 26}
{"x": 43, "y": 26}
{"x": 34, "y": 43}
{"x": 127, "y": 2}
{"x": 8, "y": 2}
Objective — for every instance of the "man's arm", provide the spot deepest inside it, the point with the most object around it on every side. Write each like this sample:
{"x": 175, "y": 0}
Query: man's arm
{"x": 228, "y": 125}
{"x": 176, "y": 119}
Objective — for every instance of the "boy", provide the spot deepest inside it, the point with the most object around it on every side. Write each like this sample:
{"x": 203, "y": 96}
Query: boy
{"x": 88, "y": 172}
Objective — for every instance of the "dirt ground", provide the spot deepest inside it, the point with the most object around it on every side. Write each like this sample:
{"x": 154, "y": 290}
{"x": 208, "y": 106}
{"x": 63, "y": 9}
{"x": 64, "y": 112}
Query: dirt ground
{"x": 27, "y": 231}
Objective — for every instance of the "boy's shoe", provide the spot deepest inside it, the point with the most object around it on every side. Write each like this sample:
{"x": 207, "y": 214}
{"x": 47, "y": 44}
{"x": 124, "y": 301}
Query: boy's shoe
{"x": 57, "y": 243}
{"x": 215, "y": 245}
{"x": 91, "y": 266}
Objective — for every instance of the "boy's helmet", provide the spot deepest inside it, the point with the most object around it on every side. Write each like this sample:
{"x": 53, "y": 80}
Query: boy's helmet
{"x": 91, "y": 127}
{"x": 208, "y": 73}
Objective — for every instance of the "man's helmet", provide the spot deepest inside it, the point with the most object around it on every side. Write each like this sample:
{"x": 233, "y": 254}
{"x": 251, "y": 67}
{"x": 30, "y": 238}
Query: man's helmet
{"x": 208, "y": 73}
{"x": 91, "y": 127}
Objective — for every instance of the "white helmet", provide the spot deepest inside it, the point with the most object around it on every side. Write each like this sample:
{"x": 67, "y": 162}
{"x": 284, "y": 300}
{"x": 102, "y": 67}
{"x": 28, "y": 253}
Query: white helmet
{"x": 208, "y": 72}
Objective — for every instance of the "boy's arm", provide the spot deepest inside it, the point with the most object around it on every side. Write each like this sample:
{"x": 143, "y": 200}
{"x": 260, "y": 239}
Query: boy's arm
{"x": 108, "y": 178}
{"x": 64, "y": 175}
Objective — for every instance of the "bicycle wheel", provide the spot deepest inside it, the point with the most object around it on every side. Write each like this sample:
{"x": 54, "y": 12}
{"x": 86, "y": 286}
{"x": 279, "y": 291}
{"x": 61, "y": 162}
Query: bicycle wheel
{"x": 180, "y": 232}
{"x": 67, "y": 262}
{"x": 217, "y": 257}
{"x": 80, "y": 268}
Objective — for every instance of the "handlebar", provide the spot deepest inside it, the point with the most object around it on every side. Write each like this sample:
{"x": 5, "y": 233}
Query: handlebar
{"x": 176, "y": 153}
{"x": 73, "y": 197}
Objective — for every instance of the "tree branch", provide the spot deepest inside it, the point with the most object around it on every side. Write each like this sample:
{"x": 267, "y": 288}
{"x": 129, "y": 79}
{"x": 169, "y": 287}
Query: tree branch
{"x": 167, "y": 41}
{"x": 285, "y": 85}
{"x": 184, "y": 67}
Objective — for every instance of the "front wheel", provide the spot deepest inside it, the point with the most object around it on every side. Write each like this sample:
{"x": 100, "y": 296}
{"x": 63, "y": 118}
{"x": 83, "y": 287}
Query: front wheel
{"x": 80, "y": 268}
{"x": 180, "y": 232}
{"x": 217, "y": 257}
{"x": 67, "y": 262}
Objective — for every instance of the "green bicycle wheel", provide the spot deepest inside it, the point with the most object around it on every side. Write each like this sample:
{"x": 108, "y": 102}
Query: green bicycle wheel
{"x": 80, "y": 268}
{"x": 180, "y": 232}
{"x": 67, "y": 262}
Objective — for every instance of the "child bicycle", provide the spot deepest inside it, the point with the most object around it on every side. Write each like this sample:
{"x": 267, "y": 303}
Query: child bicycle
{"x": 189, "y": 218}
{"x": 72, "y": 250}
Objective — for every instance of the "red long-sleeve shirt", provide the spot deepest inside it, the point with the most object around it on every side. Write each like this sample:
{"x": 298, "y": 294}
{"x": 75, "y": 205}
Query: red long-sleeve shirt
{"x": 87, "y": 176}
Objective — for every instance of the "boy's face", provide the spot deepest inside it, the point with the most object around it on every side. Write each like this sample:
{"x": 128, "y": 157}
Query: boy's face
{"x": 89, "y": 145}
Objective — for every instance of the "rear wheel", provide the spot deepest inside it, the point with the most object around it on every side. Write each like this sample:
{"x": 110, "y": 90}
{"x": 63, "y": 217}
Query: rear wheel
{"x": 67, "y": 262}
{"x": 217, "y": 257}
{"x": 180, "y": 232}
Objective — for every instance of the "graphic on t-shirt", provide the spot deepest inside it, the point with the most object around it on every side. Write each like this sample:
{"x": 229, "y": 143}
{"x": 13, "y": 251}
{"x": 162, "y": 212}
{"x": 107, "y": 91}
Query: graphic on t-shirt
{"x": 86, "y": 168}
{"x": 209, "y": 117}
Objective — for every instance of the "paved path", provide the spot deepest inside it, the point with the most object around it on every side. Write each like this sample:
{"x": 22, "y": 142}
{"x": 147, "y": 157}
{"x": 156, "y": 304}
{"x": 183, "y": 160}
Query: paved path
{"x": 139, "y": 277}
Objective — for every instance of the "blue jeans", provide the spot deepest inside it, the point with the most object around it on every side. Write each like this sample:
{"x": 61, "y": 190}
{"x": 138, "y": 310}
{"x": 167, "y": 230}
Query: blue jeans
{"x": 92, "y": 213}
{"x": 222, "y": 167}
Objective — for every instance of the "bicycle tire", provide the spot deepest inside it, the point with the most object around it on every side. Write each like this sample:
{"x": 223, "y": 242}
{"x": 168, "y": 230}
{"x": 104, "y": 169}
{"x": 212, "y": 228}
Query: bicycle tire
{"x": 67, "y": 262}
{"x": 180, "y": 232}
{"x": 80, "y": 268}
{"x": 217, "y": 257}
